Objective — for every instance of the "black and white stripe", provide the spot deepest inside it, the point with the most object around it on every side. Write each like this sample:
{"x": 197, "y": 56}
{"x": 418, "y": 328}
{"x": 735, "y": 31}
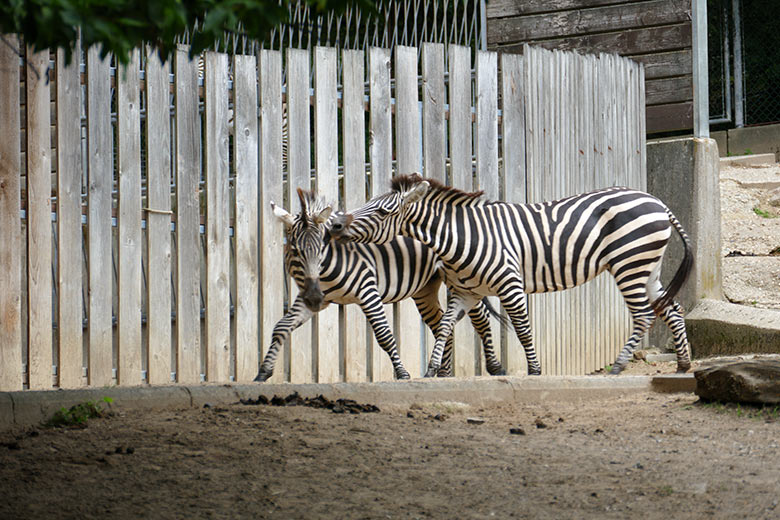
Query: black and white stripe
{"x": 508, "y": 250}
{"x": 367, "y": 274}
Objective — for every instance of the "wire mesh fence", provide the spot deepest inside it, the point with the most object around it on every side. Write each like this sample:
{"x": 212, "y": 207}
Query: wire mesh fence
{"x": 761, "y": 59}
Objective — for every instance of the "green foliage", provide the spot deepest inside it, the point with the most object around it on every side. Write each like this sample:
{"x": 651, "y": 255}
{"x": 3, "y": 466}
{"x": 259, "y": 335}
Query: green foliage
{"x": 767, "y": 413}
{"x": 119, "y": 26}
{"x": 762, "y": 213}
{"x": 78, "y": 414}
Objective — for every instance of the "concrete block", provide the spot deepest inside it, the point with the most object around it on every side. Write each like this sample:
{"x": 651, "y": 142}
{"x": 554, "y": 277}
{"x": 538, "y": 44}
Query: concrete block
{"x": 748, "y": 160}
{"x": 684, "y": 173}
{"x": 754, "y": 139}
{"x": 674, "y": 383}
{"x": 723, "y": 328}
{"x": 721, "y": 138}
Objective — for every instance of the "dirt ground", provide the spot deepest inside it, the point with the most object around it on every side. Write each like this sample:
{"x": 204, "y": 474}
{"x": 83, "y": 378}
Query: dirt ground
{"x": 659, "y": 456}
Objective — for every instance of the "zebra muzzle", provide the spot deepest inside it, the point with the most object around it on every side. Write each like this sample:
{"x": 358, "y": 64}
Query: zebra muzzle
{"x": 312, "y": 294}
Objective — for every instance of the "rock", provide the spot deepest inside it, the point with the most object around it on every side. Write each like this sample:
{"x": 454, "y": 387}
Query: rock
{"x": 475, "y": 420}
{"x": 774, "y": 198}
{"x": 755, "y": 382}
{"x": 517, "y": 431}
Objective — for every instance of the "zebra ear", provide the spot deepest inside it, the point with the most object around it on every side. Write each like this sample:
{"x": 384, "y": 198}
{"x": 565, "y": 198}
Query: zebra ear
{"x": 416, "y": 193}
{"x": 322, "y": 216}
{"x": 282, "y": 215}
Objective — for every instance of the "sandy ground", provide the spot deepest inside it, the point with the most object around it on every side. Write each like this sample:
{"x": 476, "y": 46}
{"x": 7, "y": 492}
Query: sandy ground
{"x": 753, "y": 279}
{"x": 659, "y": 456}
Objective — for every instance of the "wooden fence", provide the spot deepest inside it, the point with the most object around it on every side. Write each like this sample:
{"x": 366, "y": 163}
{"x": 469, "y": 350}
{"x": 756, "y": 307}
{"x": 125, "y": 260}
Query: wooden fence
{"x": 137, "y": 244}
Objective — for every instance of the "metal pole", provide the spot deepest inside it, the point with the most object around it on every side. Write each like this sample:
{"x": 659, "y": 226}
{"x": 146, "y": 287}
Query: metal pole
{"x": 739, "y": 86}
{"x": 701, "y": 97}
{"x": 483, "y": 23}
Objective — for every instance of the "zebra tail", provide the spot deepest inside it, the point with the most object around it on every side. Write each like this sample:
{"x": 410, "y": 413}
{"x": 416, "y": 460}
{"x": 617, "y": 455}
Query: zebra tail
{"x": 495, "y": 314}
{"x": 667, "y": 297}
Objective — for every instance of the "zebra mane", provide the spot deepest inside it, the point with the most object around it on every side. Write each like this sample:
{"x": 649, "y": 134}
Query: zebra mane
{"x": 311, "y": 204}
{"x": 402, "y": 183}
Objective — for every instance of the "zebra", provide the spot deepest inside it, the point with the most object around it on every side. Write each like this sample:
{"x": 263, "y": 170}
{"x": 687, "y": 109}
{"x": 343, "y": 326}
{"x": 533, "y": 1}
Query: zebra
{"x": 508, "y": 250}
{"x": 328, "y": 272}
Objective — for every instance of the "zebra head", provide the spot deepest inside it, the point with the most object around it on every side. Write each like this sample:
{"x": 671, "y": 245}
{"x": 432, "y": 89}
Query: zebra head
{"x": 381, "y": 219}
{"x": 305, "y": 245}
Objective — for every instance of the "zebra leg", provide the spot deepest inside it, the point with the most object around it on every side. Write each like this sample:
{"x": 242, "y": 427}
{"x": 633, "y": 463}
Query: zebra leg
{"x": 642, "y": 317}
{"x": 294, "y": 318}
{"x": 427, "y": 301}
{"x": 672, "y": 316}
{"x": 372, "y": 308}
{"x": 456, "y": 309}
{"x": 515, "y": 303}
{"x": 479, "y": 319}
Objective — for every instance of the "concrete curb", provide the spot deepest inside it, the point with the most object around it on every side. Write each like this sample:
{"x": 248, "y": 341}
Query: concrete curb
{"x": 33, "y": 407}
{"x": 748, "y": 160}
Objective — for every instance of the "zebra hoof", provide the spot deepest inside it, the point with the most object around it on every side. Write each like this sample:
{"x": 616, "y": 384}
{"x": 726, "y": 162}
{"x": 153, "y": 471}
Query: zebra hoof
{"x": 431, "y": 372}
{"x": 402, "y": 375}
{"x": 683, "y": 368}
{"x": 497, "y": 371}
{"x": 263, "y": 375}
{"x": 535, "y": 371}
{"x": 616, "y": 370}
{"x": 444, "y": 373}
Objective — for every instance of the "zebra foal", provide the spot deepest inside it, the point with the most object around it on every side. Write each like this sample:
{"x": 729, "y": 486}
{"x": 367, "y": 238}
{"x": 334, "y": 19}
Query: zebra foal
{"x": 491, "y": 248}
{"x": 367, "y": 274}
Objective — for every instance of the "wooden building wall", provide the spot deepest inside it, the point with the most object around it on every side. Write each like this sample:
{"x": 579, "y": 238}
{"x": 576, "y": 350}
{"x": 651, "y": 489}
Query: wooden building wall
{"x": 656, "y": 33}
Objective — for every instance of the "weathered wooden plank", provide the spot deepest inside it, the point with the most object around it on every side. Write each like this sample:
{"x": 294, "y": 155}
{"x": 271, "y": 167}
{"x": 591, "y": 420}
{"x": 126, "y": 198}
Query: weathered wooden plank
{"x": 158, "y": 219}
{"x": 514, "y": 172}
{"x": 354, "y": 153}
{"x": 633, "y": 41}
{"x": 486, "y": 146}
{"x": 504, "y": 8}
{"x": 10, "y": 224}
{"x": 188, "y": 168}
{"x": 587, "y": 21}
{"x": 326, "y": 156}
{"x": 407, "y": 153}
{"x": 271, "y": 233}
{"x": 39, "y": 252}
{"x": 433, "y": 109}
{"x": 100, "y": 182}
{"x": 39, "y": 239}
{"x": 461, "y": 176}
{"x": 663, "y": 118}
{"x": 129, "y": 276}
{"x": 302, "y": 341}
{"x": 245, "y": 142}
{"x": 70, "y": 327}
{"x": 434, "y": 133}
{"x": 380, "y": 156}
{"x": 666, "y": 64}
{"x": 217, "y": 219}
{"x": 669, "y": 90}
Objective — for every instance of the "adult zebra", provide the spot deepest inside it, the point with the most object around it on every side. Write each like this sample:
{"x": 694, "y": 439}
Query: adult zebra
{"x": 508, "y": 250}
{"x": 367, "y": 274}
